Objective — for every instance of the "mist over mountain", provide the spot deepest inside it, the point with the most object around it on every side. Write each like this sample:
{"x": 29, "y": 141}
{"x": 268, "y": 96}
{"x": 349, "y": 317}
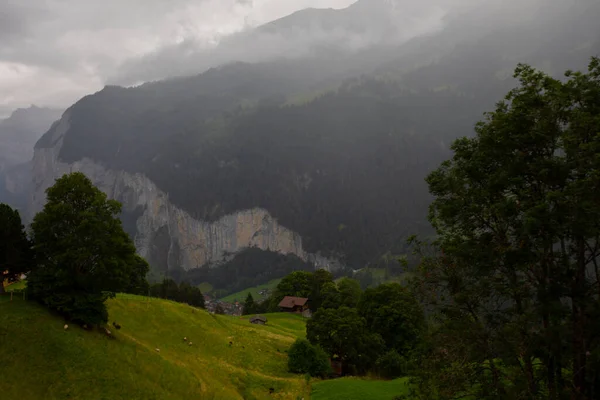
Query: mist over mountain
{"x": 309, "y": 136}
{"x": 18, "y": 135}
{"x": 20, "y": 131}
{"x": 305, "y": 33}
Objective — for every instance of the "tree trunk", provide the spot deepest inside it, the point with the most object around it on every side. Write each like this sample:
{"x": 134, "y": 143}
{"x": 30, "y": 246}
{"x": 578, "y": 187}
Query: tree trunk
{"x": 579, "y": 348}
{"x": 560, "y": 380}
{"x": 530, "y": 376}
{"x": 499, "y": 389}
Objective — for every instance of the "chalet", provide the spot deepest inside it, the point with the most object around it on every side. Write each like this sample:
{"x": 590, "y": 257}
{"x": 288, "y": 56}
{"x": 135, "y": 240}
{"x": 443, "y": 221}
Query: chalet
{"x": 258, "y": 319}
{"x": 293, "y": 304}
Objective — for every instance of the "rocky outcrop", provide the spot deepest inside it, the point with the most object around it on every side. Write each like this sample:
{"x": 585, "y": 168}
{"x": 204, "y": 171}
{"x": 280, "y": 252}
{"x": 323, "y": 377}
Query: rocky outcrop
{"x": 166, "y": 235}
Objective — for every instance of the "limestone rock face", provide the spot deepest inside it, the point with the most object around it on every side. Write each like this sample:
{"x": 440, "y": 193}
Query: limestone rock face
{"x": 166, "y": 235}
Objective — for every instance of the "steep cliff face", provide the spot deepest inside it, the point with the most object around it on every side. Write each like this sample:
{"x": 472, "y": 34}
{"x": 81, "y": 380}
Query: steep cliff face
{"x": 164, "y": 234}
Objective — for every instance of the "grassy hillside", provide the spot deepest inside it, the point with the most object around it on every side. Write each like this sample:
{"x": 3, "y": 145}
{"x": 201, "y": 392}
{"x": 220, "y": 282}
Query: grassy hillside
{"x": 42, "y": 360}
{"x": 241, "y": 295}
{"x": 358, "y": 389}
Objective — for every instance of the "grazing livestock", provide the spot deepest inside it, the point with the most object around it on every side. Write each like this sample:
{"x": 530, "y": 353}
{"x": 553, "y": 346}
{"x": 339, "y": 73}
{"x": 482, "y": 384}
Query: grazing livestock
{"x": 66, "y": 327}
{"x": 117, "y": 326}
{"x": 190, "y": 343}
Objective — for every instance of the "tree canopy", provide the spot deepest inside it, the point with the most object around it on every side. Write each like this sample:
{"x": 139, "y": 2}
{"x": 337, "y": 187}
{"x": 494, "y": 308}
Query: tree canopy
{"x": 393, "y": 312}
{"x": 304, "y": 358}
{"x": 350, "y": 291}
{"x": 16, "y": 257}
{"x": 83, "y": 255}
{"x": 182, "y": 293}
{"x": 515, "y": 281}
{"x": 344, "y": 335}
{"x": 249, "y": 305}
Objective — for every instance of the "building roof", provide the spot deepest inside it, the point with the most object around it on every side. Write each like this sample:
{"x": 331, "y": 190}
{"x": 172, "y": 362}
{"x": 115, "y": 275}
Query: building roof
{"x": 291, "y": 302}
{"x": 258, "y": 318}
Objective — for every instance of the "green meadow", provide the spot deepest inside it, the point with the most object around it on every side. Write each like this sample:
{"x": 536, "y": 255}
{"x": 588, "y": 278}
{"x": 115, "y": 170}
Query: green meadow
{"x": 147, "y": 358}
{"x": 359, "y": 389}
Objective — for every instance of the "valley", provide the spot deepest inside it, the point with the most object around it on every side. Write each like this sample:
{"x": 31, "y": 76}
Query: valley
{"x": 368, "y": 199}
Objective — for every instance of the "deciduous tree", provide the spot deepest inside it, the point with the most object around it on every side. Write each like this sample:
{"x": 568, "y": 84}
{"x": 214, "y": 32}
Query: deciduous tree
{"x": 304, "y": 358}
{"x": 15, "y": 248}
{"x": 344, "y": 335}
{"x": 393, "y": 312}
{"x": 83, "y": 254}
{"x": 350, "y": 292}
{"x": 517, "y": 212}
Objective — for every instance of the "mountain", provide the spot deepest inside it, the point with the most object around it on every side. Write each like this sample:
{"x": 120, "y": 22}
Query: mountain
{"x": 18, "y": 135}
{"x": 20, "y": 131}
{"x": 317, "y": 157}
{"x": 329, "y": 37}
{"x": 364, "y": 23}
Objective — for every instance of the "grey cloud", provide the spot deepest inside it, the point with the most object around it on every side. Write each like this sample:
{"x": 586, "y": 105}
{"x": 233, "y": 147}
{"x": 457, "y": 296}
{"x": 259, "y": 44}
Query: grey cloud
{"x": 54, "y": 51}
{"x": 352, "y": 29}
{"x": 16, "y": 19}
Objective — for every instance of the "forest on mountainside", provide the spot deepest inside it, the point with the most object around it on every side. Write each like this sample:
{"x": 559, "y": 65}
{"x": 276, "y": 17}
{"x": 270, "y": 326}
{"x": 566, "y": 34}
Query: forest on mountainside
{"x": 339, "y": 160}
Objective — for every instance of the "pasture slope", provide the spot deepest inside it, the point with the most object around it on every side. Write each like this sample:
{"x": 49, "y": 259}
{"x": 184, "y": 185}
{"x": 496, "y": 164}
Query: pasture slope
{"x": 359, "y": 389}
{"x": 241, "y": 295}
{"x": 40, "y": 360}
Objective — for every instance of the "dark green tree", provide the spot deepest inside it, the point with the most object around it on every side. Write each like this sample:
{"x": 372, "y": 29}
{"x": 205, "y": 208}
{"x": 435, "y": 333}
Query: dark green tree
{"x": 196, "y": 298}
{"x": 304, "y": 358}
{"x": 298, "y": 283}
{"x": 182, "y": 293}
{"x": 82, "y": 252}
{"x": 137, "y": 280}
{"x": 393, "y": 312}
{"x": 515, "y": 280}
{"x": 350, "y": 292}
{"x": 170, "y": 290}
{"x": 330, "y": 296}
{"x": 249, "y": 305}
{"x": 391, "y": 365}
{"x": 320, "y": 278}
{"x": 344, "y": 335}
{"x": 16, "y": 257}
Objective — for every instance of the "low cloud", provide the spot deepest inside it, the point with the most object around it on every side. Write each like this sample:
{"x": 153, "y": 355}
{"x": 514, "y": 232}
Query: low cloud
{"x": 195, "y": 54}
{"x": 53, "y": 52}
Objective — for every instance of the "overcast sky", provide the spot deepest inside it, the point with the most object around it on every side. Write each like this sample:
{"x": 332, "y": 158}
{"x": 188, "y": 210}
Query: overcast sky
{"x": 53, "y": 52}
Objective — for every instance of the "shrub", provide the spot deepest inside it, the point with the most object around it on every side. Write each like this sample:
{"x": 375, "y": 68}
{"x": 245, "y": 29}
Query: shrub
{"x": 392, "y": 365}
{"x": 304, "y": 358}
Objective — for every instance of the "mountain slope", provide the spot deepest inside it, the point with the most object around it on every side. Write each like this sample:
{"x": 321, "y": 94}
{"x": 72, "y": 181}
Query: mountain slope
{"x": 42, "y": 360}
{"x": 18, "y": 135}
{"x": 210, "y": 165}
{"x": 20, "y": 131}
{"x": 320, "y": 34}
